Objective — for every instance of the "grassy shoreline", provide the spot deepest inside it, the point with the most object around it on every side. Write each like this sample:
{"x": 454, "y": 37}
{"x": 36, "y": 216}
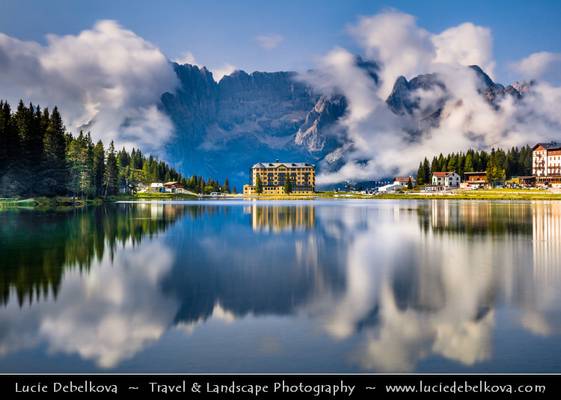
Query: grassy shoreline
{"x": 488, "y": 194}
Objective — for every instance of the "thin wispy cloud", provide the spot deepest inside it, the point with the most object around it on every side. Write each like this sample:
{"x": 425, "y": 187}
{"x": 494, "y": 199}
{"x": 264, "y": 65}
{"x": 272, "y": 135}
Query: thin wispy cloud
{"x": 270, "y": 41}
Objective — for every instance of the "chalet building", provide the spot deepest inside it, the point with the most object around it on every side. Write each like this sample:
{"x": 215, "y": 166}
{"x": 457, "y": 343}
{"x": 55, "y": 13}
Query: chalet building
{"x": 446, "y": 179}
{"x": 546, "y": 163}
{"x": 273, "y": 177}
{"x": 404, "y": 180}
{"x": 173, "y": 187}
{"x": 475, "y": 179}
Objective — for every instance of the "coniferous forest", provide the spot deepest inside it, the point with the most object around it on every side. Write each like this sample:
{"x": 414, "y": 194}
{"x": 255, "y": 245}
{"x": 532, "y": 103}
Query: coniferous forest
{"x": 499, "y": 164}
{"x": 38, "y": 157}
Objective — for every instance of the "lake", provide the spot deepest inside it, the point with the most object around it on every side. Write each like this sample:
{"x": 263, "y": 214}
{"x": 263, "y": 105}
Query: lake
{"x": 302, "y": 286}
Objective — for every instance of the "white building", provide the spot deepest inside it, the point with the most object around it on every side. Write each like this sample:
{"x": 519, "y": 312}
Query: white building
{"x": 546, "y": 159}
{"x": 156, "y": 187}
{"x": 446, "y": 179}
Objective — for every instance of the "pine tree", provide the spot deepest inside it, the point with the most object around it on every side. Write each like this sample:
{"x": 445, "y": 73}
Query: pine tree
{"x": 426, "y": 171}
{"x": 452, "y": 163}
{"x": 469, "y": 162}
{"x": 98, "y": 168}
{"x": 287, "y": 185}
{"x": 258, "y": 185}
{"x": 420, "y": 175}
{"x": 226, "y": 186}
{"x": 53, "y": 174}
{"x": 73, "y": 157}
{"x": 111, "y": 172}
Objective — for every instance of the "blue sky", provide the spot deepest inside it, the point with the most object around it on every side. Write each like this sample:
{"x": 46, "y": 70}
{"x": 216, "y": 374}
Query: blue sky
{"x": 220, "y": 32}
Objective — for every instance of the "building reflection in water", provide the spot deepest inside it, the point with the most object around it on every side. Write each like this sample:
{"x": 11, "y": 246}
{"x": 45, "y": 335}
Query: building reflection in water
{"x": 546, "y": 241}
{"x": 276, "y": 219}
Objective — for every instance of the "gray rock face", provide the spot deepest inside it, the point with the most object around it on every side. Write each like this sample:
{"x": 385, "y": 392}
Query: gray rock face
{"x": 318, "y": 133}
{"x": 223, "y": 128}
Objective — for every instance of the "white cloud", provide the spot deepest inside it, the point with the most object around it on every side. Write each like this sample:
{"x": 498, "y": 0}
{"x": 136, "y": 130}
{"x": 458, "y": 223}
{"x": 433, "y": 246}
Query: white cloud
{"x": 187, "y": 58}
{"x": 105, "y": 79}
{"x": 465, "y": 44}
{"x": 220, "y": 72}
{"x": 541, "y": 65}
{"x": 379, "y": 144}
{"x": 269, "y": 42}
{"x": 393, "y": 39}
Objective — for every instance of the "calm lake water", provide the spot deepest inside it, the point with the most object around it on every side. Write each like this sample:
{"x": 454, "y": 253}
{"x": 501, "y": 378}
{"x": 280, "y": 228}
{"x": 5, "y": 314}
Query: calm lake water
{"x": 319, "y": 286}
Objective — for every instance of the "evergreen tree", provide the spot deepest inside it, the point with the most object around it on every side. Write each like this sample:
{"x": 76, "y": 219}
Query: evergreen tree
{"x": 226, "y": 186}
{"x": 287, "y": 185}
{"x": 111, "y": 173}
{"x": 420, "y": 174}
{"x": 426, "y": 171}
{"x": 452, "y": 163}
{"x": 258, "y": 185}
{"x": 434, "y": 167}
{"x": 469, "y": 162}
{"x": 53, "y": 174}
{"x": 98, "y": 168}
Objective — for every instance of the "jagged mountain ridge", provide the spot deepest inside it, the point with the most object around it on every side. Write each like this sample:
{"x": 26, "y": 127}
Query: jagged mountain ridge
{"x": 222, "y": 128}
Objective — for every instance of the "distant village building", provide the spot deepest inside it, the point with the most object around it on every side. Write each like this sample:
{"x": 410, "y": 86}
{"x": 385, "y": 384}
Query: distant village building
{"x": 157, "y": 187}
{"x": 173, "y": 187}
{"x": 475, "y": 180}
{"x": 446, "y": 179}
{"x": 546, "y": 163}
{"x": 404, "y": 180}
{"x": 273, "y": 178}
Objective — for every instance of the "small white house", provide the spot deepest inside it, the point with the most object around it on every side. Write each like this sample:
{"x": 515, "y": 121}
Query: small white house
{"x": 446, "y": 179}
{"x": 157, "y": 187}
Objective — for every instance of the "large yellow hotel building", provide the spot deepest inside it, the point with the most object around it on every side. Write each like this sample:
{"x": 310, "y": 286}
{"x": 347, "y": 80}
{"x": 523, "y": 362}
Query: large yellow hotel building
{"x": 273, "y": 178}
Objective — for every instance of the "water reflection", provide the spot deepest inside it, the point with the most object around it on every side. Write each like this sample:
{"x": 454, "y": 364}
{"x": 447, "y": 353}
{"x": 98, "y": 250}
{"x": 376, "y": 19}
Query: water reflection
{"x": 387, "y": 286}
{"x": 281, "y": 218}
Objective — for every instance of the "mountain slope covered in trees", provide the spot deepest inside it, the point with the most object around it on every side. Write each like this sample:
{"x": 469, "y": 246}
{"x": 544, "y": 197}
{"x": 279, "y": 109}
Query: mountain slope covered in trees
{"x": 39, "y": 158}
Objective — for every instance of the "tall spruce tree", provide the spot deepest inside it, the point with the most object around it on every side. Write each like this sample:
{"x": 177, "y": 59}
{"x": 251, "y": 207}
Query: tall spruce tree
{"x": 98, "y": 168}
{"x": 111, "y": 173}
{"x": 53, "y": 174}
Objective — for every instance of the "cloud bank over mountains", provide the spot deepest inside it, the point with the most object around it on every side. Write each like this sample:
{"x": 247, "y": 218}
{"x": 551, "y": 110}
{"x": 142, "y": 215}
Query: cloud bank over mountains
{"x": 109, "y": 81}
{"x": 381, "y": 144}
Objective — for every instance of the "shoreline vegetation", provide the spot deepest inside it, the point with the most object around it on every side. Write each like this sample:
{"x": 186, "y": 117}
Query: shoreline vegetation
{"x": 47, "y": 203}
{"x": 40, "y": 159}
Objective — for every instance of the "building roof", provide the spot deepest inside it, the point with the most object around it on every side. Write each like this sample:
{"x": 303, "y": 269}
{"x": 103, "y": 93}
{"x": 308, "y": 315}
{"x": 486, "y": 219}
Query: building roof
{"x": 548, "y": 146}
{"x": 404, "y": 179}
{"x": 443, "y": 174}
{"x": 278, "y": 164}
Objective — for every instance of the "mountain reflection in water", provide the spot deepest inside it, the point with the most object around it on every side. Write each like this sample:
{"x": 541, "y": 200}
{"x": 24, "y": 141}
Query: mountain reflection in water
{"x": 277, "y": 286}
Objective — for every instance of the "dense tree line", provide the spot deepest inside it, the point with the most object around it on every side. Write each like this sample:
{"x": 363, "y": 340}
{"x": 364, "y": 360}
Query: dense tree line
{"x": 39, "y": 158}
{"x": 499, "y": 164}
